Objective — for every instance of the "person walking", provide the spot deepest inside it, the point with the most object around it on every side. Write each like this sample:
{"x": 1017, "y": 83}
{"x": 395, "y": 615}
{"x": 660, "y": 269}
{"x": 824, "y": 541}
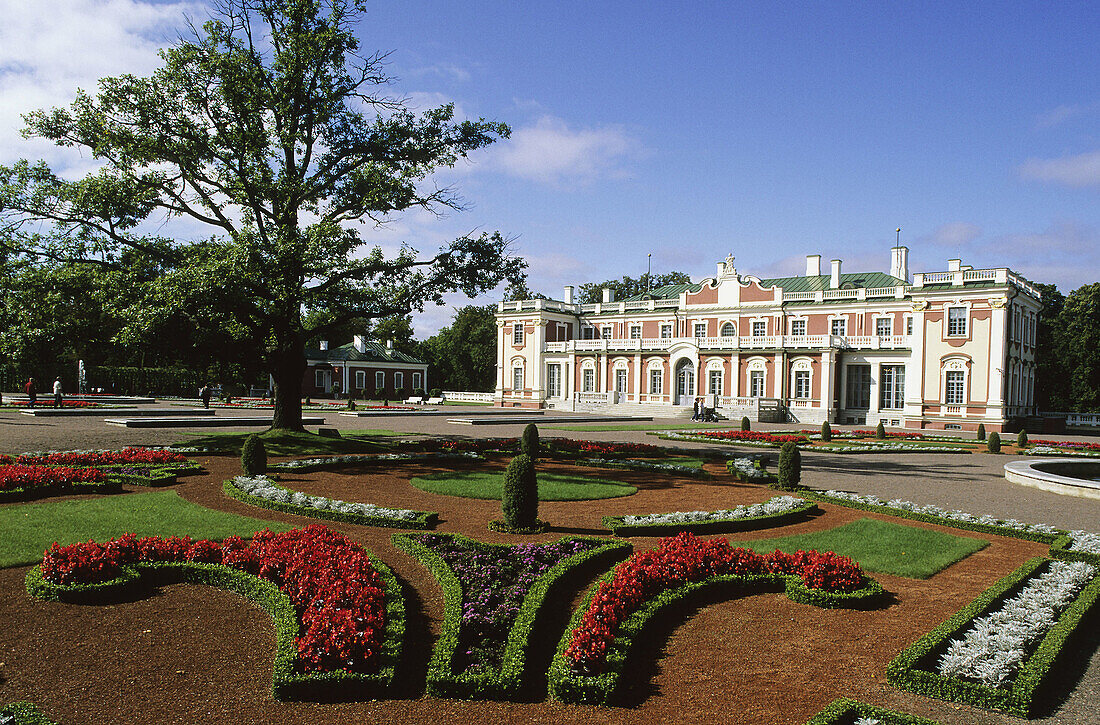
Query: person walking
{"x": 695, "y": 409}
{"x": 204, "y": 394}
{"x": 57, "y": 393}
{"x": 32, "y": 392}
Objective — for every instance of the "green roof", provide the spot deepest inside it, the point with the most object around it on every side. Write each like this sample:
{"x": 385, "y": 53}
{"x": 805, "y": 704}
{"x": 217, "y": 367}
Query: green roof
{"x": 821, "y": 282}
{"x": 374, "y": 352}
{"x": 669, "y": 291}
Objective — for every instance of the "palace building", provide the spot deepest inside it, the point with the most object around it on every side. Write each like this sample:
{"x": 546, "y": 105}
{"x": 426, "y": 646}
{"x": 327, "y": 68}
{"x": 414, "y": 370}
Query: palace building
{"x": 943, "y": 350}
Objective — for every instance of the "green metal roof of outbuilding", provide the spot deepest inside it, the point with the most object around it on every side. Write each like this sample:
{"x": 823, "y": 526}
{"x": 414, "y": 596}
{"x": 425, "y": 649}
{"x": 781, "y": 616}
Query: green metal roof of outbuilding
{"x": 374, "y": 352}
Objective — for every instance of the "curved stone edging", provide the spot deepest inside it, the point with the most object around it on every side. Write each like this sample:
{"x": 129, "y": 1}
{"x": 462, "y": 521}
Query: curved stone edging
{"x": 1028, "y": 473}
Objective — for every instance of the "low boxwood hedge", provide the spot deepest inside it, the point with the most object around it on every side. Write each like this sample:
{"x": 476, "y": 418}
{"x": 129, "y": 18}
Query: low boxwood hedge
{"x": 914, "y": 668}
{"x": 113, "y": 484}
{"x": 600, "y": 689}
{"x": 287, "y": 683}
{"x": 620, "y": 528}
{"x": 845, "y": 711}
{"x": 507, "y": 682}
{"x": 423, "y": 519}
{"x": 1060, "y": 550}
{"x": 23, "y": 713}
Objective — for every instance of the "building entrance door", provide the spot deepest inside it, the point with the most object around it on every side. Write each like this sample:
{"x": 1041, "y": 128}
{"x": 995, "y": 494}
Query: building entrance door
{"x": 685, "y": 383}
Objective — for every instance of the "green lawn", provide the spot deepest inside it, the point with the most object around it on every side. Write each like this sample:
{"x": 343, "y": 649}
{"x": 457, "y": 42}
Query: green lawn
{"x": 490, "y": 486}
{"x": 31, "y": 528}
{"x": 285, "y": 443}
{"x": 881, "y": 546}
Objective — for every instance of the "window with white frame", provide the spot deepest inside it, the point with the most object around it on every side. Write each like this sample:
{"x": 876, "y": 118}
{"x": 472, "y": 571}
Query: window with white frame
{"x": 553, "y": 380}
{"x": 398, "y": 381}
{"x": 884, "y": 326}
{"x": 798, "y": 328}
{"x": 700, "y": 329}
{"x": 714, "y": 382}
{"x": 620, "y": 380}
{"x": 588, "y": 380}
{"x": 517, "y": 333}
{"x": 801, "y": 384}
{"x": 379, "y": 380}
{"x": 517, "y": 378}
{"x": 605, "y": 332}
{"x": 417, "y": 382}
{"x": 656, "y": 382}
{"x": 319, "y": 378}
{"x": 858, "y": 387}
{"x": 360, "y": 379}
{"x": 954, "y": 387}
{"x": 909, "y": 326}
{"x": 756, "y": 383}
{"x": 759, "y": 328}
{"x": 838, "y": 327}
{"x": 635, "y": 332}
{"x": 666, "y": 330}
{"x": 891, "y": 387}
{"x": 956, "y": 321}
{"x": 588, "y": 332}
{"x": 729, "y": 329}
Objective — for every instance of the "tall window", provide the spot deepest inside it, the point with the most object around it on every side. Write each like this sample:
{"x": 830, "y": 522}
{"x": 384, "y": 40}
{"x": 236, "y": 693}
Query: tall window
{"x": 588, "y": 380}
{"x": 517, "y": 378}
{"x": 838, "y": 327}
{"x": 700, "y": 329}
{"x": 620, "y": 381}
{"x": 319, "y": 379}
{"x": 714, "y": 382}
{"x": 666, "y": 330}
{"x": 892, "y": 387}
{"x": 883, "y": 326}
{"x": 379, "y": 380}
{"x": 956, "y": 321}
{"x": 798, "y": 328}
{"x": 802, "y": 384}
{"x": 553, "y": 381}
{"x": 759, "y": 328}
{"x": 858, "y": 387}
{"x": 605, "y": 332}
{"x": 398, "y": 381}
{"x": 635, "y": 332}
{"x": 656, "y": 382}
{"x": 954, "y": 388}
{"x": 360, "y": 379}
{"x": 908, "y": 325}
{"x": 729, "y": 330}
{"x": 517, "y": 333}
{"x": 756, "y": 383}
{"x": 417, "y": 383}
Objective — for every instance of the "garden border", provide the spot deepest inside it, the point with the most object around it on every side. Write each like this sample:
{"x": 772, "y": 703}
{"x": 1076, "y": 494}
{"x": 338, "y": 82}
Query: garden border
{"x": 845, "y": 710}
{"x": 424, "y": 520}
{"x": 25, "y": 713}
{"x": 715, "y": 526}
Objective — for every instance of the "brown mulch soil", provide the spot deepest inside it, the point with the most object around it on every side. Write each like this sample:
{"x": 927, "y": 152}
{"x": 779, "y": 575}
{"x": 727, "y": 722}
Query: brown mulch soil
{"x": 191, "y": 654}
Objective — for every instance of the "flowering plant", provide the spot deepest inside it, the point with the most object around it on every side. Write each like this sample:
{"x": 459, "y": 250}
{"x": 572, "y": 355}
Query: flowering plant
{"x": 15, "y": 476}
{"x": 64, "y": 404}
{"x": 749, "y": 436}
{"x": 100, "y": 458}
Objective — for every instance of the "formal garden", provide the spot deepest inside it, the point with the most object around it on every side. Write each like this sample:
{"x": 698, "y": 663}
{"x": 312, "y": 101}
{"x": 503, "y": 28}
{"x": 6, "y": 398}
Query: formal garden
{"x": 565, "y": 579}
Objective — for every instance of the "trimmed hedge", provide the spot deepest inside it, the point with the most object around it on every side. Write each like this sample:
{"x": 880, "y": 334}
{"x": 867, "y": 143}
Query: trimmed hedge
{"x": 844, "y": 711}
{"x": 572, "y": 687}
{"x": 913, "y": 669}
{"x": 113, "y": 484}
{"x": 287, "y": 684}
{"x": 24, "y": 713}
{"x": 618, "y": 528}
{"x": 1060, "y": 550}
{"x": 505, "y": 683}
{"x": 423, "y": 520}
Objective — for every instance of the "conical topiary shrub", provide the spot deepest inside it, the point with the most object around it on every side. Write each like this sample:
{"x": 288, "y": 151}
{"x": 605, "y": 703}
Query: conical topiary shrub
{"x": 1021, "y": 439}
{"x": 826, "y": 431}
{"x": 529, "y": 443}
{"x": 880, "y": 431}
{"x": 981, "y": 431}
{"x": 790, "y": 467}
{"x": 993, "y": 445}
{"x": 520, "y": 502}
{"x": 745, "y": 423}
{"x": 253, "y": 456}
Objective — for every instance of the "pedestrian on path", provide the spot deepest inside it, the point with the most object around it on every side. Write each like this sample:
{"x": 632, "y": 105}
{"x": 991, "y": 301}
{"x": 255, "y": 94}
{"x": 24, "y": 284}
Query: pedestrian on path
{"x": 32, "y": 392}
{"x": 204, "y": 393}
{"x": 57, "y": 393}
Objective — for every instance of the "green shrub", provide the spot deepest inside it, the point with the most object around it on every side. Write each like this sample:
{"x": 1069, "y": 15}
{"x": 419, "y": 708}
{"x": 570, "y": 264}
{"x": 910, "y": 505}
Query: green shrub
{"x": 745, "y": 423}
{"x": 981, "y": 431}
{"x": 399, "y": 394}
{"x": 994, "y": 442}
{"x": 826, "y": 431}
{"x": 880, "y": 431}
{"x": 1021, "y": 439}
{"x": 351, "y": 403}
{"x": 437, "y": 393}
{"x": 790, "y": 467}
{"x": 253, "y": 456}
{"x": 521, "y": 494}
{"x": 529, "y": 443}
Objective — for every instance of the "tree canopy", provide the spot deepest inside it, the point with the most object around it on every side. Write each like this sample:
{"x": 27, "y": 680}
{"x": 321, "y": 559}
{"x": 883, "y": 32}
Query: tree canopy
{"x": 592, "y": 292}
{"x": 268, "y": 129}
{"x": 463, "y": 355}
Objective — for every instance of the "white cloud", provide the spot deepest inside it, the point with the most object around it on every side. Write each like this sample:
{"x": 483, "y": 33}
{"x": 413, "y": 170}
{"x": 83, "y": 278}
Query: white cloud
{"x": 1076, "y": 171}
{"x": 549, "y": 151}
{"x": 953, "y": 234}
{"x": 1065, "y": 113}
{"x": 448, "y": 71}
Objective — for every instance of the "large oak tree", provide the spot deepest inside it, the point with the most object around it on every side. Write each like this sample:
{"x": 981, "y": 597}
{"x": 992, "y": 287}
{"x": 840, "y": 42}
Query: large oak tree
{"x": 270, "y": 130}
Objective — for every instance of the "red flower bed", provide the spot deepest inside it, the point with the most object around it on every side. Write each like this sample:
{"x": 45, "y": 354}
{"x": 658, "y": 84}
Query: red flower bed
{"x": 597, "y": 448}
{"x": 328, "y": 577}
{"x": 889, "y": 434}
{"x": 685, "y": 558}
{"x": 753, "y": 436}
{"x": 1071, "y": 445}
{"x": 47, "y": 402}
{"x": 103, "y": 458}
{"x": 15, "y": 476}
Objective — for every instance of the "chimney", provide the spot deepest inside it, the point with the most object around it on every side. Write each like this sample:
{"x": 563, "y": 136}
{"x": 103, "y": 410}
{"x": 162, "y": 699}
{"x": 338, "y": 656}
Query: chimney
{"x": 389, "y": 347}
{"x": 899, "y": 263}
{"x": 608, "y": 295}
{"x": 567, "y": 294}
{"x": 323, "y": 344}
{"x": 813, "y": 265}
{"x": 834, "y": 278}
{"x": 954, "y": 265}
{"x": 360, "y": 343}
{"x": 721, "y": 270}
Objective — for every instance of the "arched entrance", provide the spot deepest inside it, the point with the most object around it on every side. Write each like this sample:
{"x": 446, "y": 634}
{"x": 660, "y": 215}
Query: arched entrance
{"x": 685, "y": 382}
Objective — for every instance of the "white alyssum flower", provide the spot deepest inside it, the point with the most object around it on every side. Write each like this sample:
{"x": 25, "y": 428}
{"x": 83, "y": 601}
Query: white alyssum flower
{"x": 777, "y": 505}
{"x": 1085, "y": 541}
{"x": 995, "y": 645}
{"x": 641, "y": 465}
{"x": 350, "y": 459}
{"x": 1052, "y": 451}
{"x": 747, "y": 469}
{"x": 868, "y": 721}
{"x": 263, "y": 487}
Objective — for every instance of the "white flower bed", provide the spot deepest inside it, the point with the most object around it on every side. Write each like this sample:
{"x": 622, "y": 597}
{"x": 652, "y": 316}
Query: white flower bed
{"x": 868, "y": 721}
{"x": 686, "y": 435}
{"x": 641, "y": 465}
{"x": 344, "y": 460}
{"x": 263, "y": 487}
{"x": 993, "y": 648}
{"x": 777, "y": 505}
{"x": 747, "y": 469}
{"x": 876, "y": 446}
{"x": 1084, "y": 541}
{"x": 1052, "y": 451}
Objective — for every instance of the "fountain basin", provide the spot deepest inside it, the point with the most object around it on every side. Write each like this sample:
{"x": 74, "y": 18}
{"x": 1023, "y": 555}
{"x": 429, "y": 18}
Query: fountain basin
{"x": 1066, "y": 476}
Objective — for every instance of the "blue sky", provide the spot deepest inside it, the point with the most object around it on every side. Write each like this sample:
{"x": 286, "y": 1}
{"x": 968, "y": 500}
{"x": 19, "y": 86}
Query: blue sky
{"x": 689, "y": 131}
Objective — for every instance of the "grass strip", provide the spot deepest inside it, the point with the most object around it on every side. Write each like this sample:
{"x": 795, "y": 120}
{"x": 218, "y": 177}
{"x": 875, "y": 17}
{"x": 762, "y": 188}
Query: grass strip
{"x": 489, "y": 485}
{"x": 30, "y": 529}
{"x": 881, "y": 546}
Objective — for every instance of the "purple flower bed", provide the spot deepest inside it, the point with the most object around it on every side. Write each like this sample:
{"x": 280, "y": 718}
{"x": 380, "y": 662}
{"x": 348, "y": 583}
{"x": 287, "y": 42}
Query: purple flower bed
{"x": 494, "y": 581}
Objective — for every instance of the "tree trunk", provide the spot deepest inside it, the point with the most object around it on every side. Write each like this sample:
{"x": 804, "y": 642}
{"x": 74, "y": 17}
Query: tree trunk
{"x": 288, "y": 368}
